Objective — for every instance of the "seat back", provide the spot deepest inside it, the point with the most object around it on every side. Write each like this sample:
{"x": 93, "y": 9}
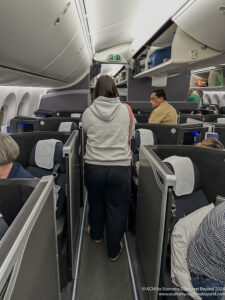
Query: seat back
{"x": 67, "y": 127}
{"x": 3, "y": 226}
{"x": 188, "y": 194}
{"x": 28, "y": 261}
{"x": 156, "y": 183}
{"x": 46, "y": 158}
{"x": 142, "y": 137}
{"x": 73, "y": 188}
{"x": 222, "y": 110}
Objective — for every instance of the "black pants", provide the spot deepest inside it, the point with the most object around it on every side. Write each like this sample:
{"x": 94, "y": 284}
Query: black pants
{"x": 109, "y": 197}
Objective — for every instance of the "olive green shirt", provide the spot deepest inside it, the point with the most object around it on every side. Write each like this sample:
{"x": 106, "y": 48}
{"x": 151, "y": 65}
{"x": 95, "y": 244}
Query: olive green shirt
{"x": 163, "y": 114}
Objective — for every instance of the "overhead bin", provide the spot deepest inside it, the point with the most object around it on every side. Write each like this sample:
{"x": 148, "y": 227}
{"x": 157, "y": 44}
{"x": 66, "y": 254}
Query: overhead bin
{"x": 44, "y": 38}
{"x": 204, "y": 21}
{"x": 196, "y": 37}
{"x": 186, "y": 52}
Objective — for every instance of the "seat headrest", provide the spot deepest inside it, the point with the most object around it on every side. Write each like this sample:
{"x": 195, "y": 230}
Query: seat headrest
{"x": 67, "y": 126}
{"x": 187, "y": 175}
{"x": 147, "y": 137}
{"x": 143, "y": 137}
{"x": 221, "y": 120}
{"x": 193, "y": 121}
{"x": 46, "y": 153}
{"x": 222, "y": 110}
{"x": 75, "y": 115}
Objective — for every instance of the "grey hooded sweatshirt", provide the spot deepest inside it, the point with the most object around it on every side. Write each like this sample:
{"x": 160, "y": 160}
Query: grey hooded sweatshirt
{"x": 106, "y": 123}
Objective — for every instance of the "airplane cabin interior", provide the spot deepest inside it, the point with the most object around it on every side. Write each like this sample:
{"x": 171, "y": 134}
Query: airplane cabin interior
{"x": 52, "y": 54}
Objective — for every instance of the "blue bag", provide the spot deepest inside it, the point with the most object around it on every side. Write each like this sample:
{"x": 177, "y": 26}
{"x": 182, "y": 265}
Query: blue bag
{"x": 158, "y": 56}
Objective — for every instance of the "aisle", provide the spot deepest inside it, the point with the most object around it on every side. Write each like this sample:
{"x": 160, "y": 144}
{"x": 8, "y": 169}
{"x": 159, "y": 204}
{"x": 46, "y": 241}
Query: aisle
{"x": 100, "y": 279}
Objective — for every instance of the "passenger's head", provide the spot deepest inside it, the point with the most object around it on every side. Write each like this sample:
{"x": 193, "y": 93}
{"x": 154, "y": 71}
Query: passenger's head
{"x": 105, "y": 86}
{"x": 190, "y": 92}
{"x": 9, "y": 150}
{"x": 214, "y": 109}
{"x": 157, "y": 97}
{"x": 211, "y": 143}
{"x": 200, "y": 93}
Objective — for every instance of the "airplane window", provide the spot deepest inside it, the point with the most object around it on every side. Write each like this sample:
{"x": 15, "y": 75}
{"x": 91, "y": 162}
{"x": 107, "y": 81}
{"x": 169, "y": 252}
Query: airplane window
{"x": 19, "y": 111}
{"x": 24, "y": 103}
{"x": 2, "y": 114}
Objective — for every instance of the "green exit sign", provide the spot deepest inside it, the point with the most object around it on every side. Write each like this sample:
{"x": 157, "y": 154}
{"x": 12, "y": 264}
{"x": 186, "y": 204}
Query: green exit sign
{"x": 114, "y": 57}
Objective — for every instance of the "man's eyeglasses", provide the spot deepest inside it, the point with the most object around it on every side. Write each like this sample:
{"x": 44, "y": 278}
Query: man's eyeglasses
{"x": 152, "y": 100}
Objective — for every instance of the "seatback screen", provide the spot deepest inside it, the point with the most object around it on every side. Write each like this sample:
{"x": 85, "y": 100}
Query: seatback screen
{"x": 191, "y": 138}
{"x": 213, "y": 135}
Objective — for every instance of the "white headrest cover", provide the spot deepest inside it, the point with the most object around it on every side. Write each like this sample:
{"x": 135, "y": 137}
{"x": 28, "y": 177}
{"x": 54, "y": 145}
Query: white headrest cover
{"x": 4, "y": 128}
{"x": 44, "y": 153}
{"x": 221, "y": 120}
{"x": 65, "y": 126}
{"x": 193, "y": 121}
{"x": 146, "y": 137}
{"x": 75, "y": 115}
{"x": 184, "y": 172}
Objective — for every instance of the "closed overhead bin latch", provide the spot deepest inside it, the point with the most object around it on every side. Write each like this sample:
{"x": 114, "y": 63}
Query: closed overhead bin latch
{"x": 62, "y": 14}
{"x": 222, "y": 9}
{"x": 194, "y": 53}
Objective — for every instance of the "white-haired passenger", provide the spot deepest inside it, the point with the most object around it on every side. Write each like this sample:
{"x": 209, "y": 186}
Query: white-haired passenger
{"x": 9, "y": 151}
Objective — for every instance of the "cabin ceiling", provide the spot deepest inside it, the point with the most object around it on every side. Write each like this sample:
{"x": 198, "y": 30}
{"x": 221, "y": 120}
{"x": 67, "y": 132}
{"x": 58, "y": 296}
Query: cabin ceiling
{"x": 129, "y": 22}
{"x": 111, "y": 22}
{"x": 52, "y": 42}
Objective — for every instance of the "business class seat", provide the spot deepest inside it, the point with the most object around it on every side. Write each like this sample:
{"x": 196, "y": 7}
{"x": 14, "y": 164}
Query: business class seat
{"x": 222, "y": 110}
{"x": 141, "y": 137}
{"x": 13, "y": 196}
{"x": 46, "y": 158}
{"x": 188, "y": 193}
{"x": 67, "y": 127}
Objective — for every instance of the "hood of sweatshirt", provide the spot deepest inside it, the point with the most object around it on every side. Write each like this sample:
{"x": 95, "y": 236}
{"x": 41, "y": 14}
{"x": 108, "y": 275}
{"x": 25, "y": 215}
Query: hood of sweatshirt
{"x": 105, "y": 108}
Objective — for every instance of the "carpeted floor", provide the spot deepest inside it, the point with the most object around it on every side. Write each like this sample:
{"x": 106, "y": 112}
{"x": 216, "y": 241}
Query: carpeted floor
{"x": 100, "y": 279}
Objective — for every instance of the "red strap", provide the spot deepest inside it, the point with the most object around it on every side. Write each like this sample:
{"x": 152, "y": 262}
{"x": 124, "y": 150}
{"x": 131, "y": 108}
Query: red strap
{"x": 131, "y": 116}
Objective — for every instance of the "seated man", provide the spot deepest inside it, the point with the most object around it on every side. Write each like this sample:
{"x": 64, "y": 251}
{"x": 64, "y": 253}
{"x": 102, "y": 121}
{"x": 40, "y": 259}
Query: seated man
{"x": 9, "y": 151}
{"x": 194, "y": 98}
{"x": 163, "y": 112}
{"x": 206, "y": 255}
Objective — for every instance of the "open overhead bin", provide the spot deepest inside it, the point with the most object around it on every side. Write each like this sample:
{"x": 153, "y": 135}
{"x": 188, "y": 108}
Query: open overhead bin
{"x": 178, "y": 48}
{"x": 45, "y": 41}
{"x": 182, "y": 54}
{"x": 204, "y": 21}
